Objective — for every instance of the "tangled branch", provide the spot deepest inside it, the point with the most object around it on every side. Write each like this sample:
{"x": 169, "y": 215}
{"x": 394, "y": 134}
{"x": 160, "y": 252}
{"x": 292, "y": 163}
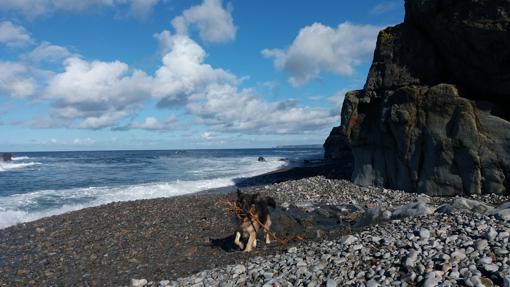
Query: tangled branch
{"x": 231, "y": 207}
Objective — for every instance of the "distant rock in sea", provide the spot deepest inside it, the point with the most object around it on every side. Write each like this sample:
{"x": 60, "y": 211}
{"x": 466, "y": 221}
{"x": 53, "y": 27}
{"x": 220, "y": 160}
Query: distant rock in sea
{"x": 433, "y": 115}
{"x": 7, "y": 156}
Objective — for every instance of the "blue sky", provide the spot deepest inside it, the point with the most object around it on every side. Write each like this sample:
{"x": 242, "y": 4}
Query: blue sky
{"x": 167, "y": 74}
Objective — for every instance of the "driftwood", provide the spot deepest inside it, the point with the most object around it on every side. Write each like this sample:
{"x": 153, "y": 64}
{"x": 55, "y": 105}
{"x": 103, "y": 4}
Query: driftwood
{"x": 232, "y": 208}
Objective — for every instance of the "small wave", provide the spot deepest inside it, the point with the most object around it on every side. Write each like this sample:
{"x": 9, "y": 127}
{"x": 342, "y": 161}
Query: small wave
{"x": 19, "y": 208}
{"x": 7, "y": 166}
{"x": 17, "y": 158}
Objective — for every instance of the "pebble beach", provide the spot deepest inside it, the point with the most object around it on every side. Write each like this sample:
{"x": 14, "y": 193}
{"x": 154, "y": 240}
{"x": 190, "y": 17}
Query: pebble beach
{"x": 379, "y": 237}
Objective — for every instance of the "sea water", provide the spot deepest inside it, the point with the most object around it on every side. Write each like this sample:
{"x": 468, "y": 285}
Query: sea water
{"x": 36, "y": 185}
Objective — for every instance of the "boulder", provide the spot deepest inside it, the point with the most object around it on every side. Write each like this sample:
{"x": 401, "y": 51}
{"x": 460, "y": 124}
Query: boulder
{"x": 431, "y": 117}
{"x": 412, "y": 209}
{"x": 261, "y": 159}
{"x": 502, "y": 212}
{"x": 374, "y": 215}
{"x": 465, "y": 205}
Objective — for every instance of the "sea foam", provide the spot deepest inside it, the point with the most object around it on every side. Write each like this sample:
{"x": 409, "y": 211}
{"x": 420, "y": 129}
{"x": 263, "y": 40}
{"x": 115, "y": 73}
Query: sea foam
{"x": 7, "y": 166}
{"x": 17, "y": 158}
{"x": 19, "y": 208}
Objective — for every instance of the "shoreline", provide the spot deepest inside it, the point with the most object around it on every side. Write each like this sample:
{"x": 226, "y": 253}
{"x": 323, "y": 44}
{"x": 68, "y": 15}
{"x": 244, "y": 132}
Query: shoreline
{"x": 174, "y": 219}
{"x": 171, "y": 238}
{"x": 318, "y": 167}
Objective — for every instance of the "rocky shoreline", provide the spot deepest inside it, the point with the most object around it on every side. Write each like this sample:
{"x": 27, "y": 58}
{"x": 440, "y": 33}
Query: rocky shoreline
{"x": 163, "y": 241}
{"x": 400, "y": 239}
{"x": 467, "y": 249}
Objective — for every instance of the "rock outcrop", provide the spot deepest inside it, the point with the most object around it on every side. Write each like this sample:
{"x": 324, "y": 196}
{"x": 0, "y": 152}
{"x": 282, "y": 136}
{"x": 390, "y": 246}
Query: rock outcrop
{"x": 7, "y": 156}
{"x": 433, "y": 116}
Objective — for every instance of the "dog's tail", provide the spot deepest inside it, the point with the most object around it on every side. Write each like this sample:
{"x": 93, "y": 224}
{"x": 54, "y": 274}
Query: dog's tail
{"x": 270, "y": 201}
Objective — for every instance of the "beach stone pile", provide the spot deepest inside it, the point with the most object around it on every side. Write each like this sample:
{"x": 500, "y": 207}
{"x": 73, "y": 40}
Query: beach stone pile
{"x": 399, "y": 239}
{"x": 319, "y": 190}
{"x": 446, "y": 249}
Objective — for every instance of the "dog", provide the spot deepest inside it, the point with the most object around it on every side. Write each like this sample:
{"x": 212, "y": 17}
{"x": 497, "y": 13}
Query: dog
{"x": 250, "y": 225}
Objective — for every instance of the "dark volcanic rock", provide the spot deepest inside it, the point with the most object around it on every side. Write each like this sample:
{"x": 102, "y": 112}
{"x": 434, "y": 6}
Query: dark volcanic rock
{"x": 337, "y": 146}
{"x": 7, "y": 156}
{"x": 433, "y": 115}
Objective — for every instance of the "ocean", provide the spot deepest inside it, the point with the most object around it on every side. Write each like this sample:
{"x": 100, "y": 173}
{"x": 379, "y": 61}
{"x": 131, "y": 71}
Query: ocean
{"x": 40, "y": 184}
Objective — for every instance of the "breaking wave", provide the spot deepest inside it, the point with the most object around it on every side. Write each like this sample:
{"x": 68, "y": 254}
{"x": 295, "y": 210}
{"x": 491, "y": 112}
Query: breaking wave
{"x": 19, "y": 208}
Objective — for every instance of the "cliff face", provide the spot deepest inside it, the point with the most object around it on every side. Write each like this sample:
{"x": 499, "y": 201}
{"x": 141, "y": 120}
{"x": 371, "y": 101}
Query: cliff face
{"x": 433, "y": 116}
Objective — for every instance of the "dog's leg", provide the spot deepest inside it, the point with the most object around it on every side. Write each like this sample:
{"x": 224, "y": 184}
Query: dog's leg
{"x": 250, "y": 245}
{"x": 266, "y": 230}
{"x": 255, "y": 243}
{"x": 237, "y": 241}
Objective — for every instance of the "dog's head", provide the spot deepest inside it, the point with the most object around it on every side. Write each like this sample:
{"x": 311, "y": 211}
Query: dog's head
{"x": 246, "y": 201}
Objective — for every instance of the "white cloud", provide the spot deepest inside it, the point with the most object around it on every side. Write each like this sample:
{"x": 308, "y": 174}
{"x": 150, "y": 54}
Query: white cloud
{"x": 208, "y": 136}
{"x": 49, "y": 52}
{"x": 85, "y": 141}
{"x": 152, "y": 124}
{"x": 227, "y": 109}
{"x": 101, "y": 119}
{"x": 165, "y": 41}
{"x": 184, "y": 73}
{"x": 99, "y": 93}
{"x": 36, "y": 8}
{"x": 319, "y": 48}
{"x": 214, "y": 23}
{"x": 13, "y": 35}
{"x": 16, "y": 80}
{"x": 213, "y": 97}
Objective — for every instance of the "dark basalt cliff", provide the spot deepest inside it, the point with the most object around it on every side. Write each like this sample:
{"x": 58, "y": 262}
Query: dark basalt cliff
{"x": 433, "y": 116}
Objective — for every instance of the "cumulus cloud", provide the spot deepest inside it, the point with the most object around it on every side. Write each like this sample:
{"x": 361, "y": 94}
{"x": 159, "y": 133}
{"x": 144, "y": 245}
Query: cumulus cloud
{"x": 319, "y": 48}
{"x": 165, "y": 41}
{"x": 49, "y": 53}
{"x": 208, "y": 136}
{"x": 13, "y": 35}
{"x": 184, "y": 73}
{"x": 99, "y": 93}
{"x": 153, "y": 124}
{"x": 227, "y": 109}
{"x": 36, "y": 8}
{"x": 213, "y": 22}
{"x": 16, "y": 80}
{"x": 213, "y": 97}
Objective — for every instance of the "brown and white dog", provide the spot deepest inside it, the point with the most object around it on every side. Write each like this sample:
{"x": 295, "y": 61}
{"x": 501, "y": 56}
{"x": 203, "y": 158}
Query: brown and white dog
{"x": 254, "y": 216}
